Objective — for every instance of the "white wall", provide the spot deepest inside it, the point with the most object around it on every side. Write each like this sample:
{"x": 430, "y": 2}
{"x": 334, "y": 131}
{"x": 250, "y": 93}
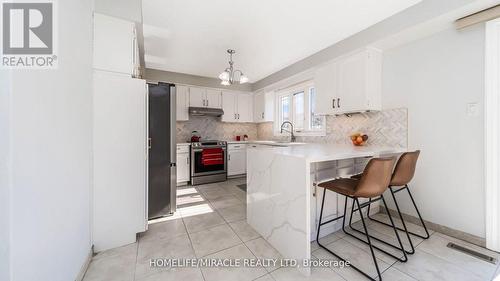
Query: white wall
{"x": 4, "y": 176}
{"x": 125, "y": 9}
{"x": 51, "y": 144}
{"x": 435, "y": 78}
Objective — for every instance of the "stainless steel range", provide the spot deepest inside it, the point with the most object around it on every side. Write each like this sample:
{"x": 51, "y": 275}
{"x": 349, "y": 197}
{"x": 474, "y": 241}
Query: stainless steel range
{"x": 208, "y": 161}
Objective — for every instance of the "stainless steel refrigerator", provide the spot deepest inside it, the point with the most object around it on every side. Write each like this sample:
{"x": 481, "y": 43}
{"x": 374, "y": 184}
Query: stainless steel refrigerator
{"x": 162, "y": 182}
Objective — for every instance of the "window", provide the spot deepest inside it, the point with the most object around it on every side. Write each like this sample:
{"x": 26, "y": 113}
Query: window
{"x": 316, "y": 121}
{"x": 297, "y": 105}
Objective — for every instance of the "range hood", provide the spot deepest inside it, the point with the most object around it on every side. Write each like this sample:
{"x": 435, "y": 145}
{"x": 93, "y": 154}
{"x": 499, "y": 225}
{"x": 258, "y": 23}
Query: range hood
{"x": 205, "y": 111}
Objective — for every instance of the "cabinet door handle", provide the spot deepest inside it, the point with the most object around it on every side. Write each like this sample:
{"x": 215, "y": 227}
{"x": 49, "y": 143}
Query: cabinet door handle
{"x": 238, "y": 116}
{"x": 333, "y": 103}
{"x": 207, "y": 102}
{"x": 187, "y": 160}
{"x": 262, "y": 115}
{"x": 338, "y": 102}
{"x": 229, "y": 157}
{"x": 235, "y": 117}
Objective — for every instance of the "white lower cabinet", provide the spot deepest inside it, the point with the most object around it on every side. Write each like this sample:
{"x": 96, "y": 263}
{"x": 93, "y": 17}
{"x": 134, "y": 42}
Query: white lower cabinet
{"x": 183, "y": 163}
{"x": 237, "y": 159}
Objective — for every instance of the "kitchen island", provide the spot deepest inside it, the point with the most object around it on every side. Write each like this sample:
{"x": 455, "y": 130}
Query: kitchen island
{"x": 281, "y": 197}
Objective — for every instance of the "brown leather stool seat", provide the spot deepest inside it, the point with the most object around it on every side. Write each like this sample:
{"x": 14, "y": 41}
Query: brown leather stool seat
{"x": 372, "y": 184}
{"x": 342, "y": 186}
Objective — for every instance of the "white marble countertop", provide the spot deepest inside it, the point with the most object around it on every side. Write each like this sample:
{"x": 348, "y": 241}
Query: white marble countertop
{"x": 235, "y": 142}
{"x": 183, "y": 143}
{"x": 252, "y": 142}
{"x": 315, "y": 152}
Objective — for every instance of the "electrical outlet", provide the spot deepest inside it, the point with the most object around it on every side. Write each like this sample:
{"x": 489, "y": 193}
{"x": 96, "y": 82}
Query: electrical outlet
{"x": 472, "y": 109}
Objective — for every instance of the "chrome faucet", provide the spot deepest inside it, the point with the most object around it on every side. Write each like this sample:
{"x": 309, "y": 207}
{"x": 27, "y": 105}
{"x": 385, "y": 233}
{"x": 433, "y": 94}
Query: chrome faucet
{"x": 292, "y": 136}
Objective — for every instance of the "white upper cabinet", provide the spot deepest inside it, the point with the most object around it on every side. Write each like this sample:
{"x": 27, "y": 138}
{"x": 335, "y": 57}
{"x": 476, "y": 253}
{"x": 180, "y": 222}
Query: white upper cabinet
{"x": 200, "y": 97}
{"x": 197, "y": 97}
{"x": 350, "y": 84}
{"x": 214, "y": 98}
{"x": 229, "y": 106}
{"x": 263, "y": 107}
{"x": 244, "y": 107}
{"x": 115, "y": 45}
{"x": 326, "y": 89}
{"x": 237, "y": 107}
{"x": 182, "y": 103}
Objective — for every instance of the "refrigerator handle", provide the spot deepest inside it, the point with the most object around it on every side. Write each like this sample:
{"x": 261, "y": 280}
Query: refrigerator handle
{"x": 173, "y": 150}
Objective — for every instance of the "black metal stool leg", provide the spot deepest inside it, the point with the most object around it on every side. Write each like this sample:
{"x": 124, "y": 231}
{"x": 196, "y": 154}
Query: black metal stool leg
{"x": 396, "y": 232}
{"x": 412, "y": 251}
{"x": 343, "y": 223}
{"x": 401, "y": 248}
{"x": 401, "y": 215}
{"x": 368, "y": 239}
{"x": 419, "y": 216}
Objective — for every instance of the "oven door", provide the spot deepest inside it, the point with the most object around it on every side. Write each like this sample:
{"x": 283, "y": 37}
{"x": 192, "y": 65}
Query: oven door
{"x": 208, "y": 161}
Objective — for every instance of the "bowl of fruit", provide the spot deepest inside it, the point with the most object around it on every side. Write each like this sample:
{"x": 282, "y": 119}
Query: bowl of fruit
{"x": 359, "y": 139}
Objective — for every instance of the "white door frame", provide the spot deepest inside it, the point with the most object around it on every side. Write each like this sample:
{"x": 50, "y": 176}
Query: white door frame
{"x": 492, "y": 134}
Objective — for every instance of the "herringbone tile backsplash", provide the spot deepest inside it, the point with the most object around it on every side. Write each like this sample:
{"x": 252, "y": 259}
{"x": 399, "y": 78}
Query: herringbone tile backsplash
{"x": 388, "y": 127}
{"x": 211, "y": 128}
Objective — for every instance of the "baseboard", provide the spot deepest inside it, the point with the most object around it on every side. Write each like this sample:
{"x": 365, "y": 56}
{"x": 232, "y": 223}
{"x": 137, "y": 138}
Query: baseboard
{"x": 85, "y": 265}
{"x": 473, "y": 239}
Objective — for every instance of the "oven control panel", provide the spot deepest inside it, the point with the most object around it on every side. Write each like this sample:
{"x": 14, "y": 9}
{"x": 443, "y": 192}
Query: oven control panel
{"x": 208, "y": 143}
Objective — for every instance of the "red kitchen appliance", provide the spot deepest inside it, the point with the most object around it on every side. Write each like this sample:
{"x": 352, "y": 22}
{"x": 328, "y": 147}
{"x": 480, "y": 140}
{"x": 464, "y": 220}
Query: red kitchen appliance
{"x": 208, "y": 162}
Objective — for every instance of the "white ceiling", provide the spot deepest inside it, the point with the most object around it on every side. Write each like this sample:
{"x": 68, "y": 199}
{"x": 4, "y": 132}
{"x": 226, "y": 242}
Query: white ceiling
{"x": 191, "y": 36}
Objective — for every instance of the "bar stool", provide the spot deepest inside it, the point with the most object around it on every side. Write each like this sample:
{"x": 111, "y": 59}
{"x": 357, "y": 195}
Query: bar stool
{"x": 401, "y": 177}
{"x": 372, "y": 184}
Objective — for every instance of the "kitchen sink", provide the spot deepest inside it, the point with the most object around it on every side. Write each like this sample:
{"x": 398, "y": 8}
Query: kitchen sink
{"x": 279, "y": 143}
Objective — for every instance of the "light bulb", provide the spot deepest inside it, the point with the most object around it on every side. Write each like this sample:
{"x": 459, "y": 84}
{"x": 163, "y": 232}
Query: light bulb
{"x": 243, "y": 79}
{"x": 224, "y": 76}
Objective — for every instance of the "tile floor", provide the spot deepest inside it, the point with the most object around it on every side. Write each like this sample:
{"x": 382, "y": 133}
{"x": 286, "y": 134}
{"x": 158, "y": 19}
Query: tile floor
{"x": 211, "y": 222}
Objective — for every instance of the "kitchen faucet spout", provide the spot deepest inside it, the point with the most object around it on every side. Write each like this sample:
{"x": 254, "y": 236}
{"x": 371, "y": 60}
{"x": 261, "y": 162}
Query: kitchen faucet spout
{"x": 292, "y": 136}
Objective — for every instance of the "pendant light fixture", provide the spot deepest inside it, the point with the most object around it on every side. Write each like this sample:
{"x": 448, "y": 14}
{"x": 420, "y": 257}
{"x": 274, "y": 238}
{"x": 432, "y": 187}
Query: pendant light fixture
{"x": 228, "y": 76}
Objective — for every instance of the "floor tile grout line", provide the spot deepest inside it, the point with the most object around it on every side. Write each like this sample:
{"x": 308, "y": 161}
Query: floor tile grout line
{"x": 446, "y": 261}
{"x": 192, "y": 247}
{"x": 239, "y": 236}
{"x": 389, "y": 236}
{"x": 224, "y": 248}
{"x": 342, "y": 238}
{"x": 218, "y": 251}
{"x": 375, "y": 250}
{"x": 265, "y": 270}
{"x": 136, "y": 255}
{"x": 453, "y": 263}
